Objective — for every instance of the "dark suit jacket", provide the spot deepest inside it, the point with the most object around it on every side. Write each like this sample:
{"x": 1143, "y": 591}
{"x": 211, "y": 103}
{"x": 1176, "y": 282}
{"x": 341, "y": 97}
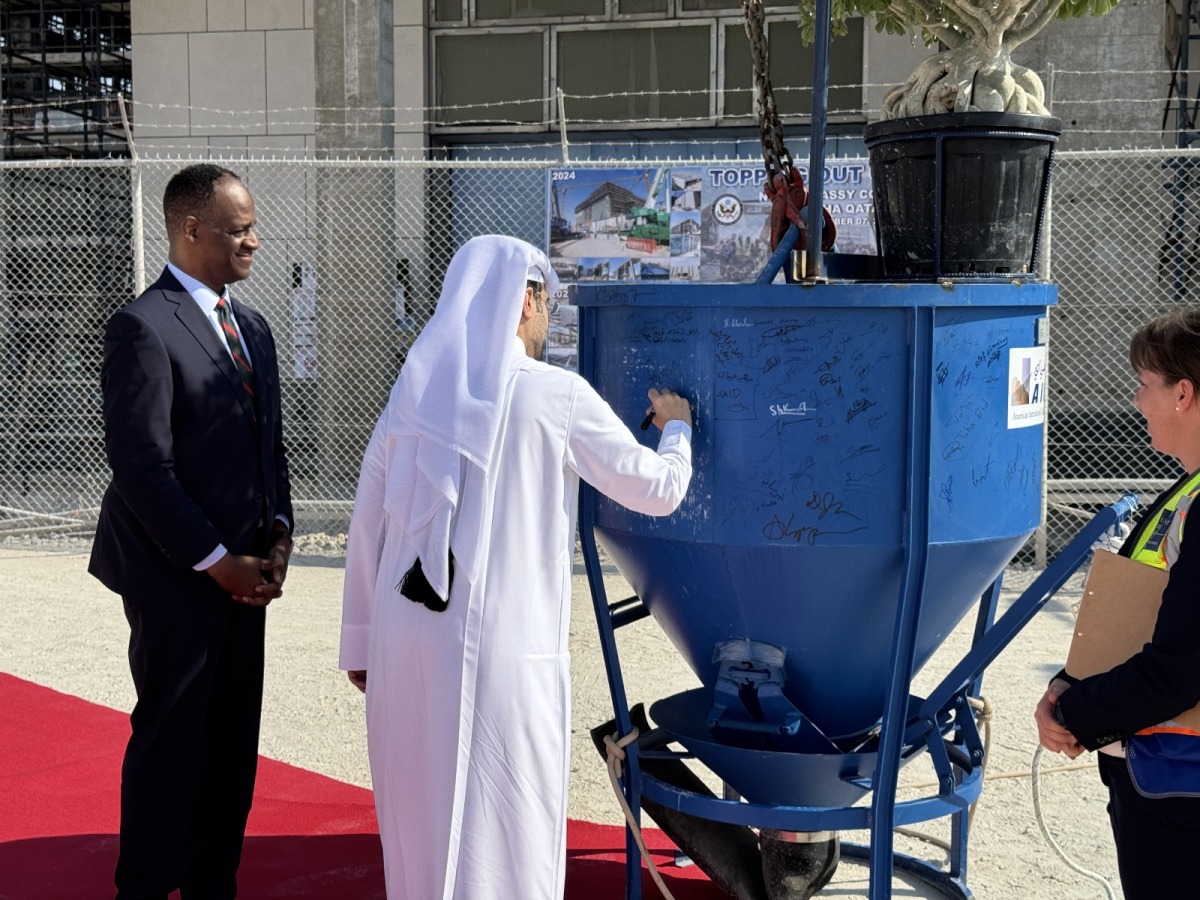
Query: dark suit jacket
{"x": 193, "y": 465}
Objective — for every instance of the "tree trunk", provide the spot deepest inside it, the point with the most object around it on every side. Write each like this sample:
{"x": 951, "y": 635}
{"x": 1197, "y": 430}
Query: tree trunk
{"x": 967, "y": 79}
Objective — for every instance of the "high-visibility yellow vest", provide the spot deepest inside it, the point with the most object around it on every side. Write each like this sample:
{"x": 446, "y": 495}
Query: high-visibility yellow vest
{"x": 1151, "y": 546}
{"x": 1158, "y": 545}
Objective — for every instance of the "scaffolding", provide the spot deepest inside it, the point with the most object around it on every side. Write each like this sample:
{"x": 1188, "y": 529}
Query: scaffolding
{"x": 64, "y": 64}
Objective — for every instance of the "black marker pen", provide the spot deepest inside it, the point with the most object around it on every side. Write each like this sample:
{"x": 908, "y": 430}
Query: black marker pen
{"x": 646, "y": 421}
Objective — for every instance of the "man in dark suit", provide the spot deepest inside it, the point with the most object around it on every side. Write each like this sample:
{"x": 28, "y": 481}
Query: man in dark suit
{"x": 194, "y": 534}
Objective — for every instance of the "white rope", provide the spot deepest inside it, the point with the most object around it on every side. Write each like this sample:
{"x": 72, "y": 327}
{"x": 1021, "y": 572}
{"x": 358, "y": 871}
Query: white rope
{"x": 616, "y": 755}
{"x": 1037, "y": 811}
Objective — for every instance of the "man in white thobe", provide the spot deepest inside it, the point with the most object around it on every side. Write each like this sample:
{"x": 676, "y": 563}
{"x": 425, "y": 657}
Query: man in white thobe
{"x": 458, "y": 580}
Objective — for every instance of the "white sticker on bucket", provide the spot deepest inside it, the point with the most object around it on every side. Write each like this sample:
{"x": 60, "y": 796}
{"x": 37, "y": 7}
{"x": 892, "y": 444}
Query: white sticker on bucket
{"x": 1026, "y": 386}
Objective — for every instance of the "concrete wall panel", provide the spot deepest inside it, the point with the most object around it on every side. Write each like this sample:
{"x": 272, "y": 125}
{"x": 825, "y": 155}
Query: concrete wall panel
{"x": 1129, "y": 39}
{"x": 410, "y": 145}
{"x": 227, "y": 15}
{"x": 291, "y": 82}
{"x": 267, "y": 15}
{"x": 160, "y": 71}
{"x": 229, "y": 83}
{"x": 408, "y": 12}
{"x": 227, "y": 147}
{"x": 167, "y": 16}
{"x": 285, "y": 146}
{"x": 890, "y": 59}
{"x": 410, "y": 78}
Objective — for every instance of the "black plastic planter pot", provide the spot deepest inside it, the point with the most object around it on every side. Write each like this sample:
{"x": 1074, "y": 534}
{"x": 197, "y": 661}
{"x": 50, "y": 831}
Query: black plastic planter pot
{"x": 960, "y": 193}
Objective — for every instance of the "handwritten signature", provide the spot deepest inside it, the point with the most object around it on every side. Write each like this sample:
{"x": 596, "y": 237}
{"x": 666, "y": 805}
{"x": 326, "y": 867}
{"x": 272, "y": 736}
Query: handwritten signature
{"x": 826, "y": 503}
{"x": 784, "y": 409}
{"x": 779, "y": 530}
{"x": 946, "y": 492}
{"x": 861, "y": 405}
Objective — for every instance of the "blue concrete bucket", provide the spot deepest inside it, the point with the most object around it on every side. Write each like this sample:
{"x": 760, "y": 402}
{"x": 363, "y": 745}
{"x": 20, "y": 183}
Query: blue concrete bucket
{"x": 839, "y": 428}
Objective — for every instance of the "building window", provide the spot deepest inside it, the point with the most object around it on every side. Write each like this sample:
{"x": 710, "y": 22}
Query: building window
{"x": 791, "y": 65}
{"x": 712, "y": 5}
{"x": 641, "y": 7}
{"x": 447, "y": 11}
{"x": 496, "y": 78}
{"x": 536, "y": 9}
{"x": 623, "y": 64}
{"x": 635, "y": 75}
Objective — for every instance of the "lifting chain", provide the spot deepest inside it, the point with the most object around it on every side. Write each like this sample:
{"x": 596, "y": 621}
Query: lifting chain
{"x": 785, "y": 185}
{"x": 776, "y": 156}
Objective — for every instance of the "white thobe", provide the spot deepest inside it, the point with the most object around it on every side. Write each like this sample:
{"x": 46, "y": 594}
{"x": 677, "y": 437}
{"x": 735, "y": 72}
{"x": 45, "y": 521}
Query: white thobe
{"x": 469, "y": 709}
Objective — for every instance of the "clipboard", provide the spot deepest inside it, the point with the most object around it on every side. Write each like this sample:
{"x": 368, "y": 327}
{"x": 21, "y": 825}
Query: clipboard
{"x": 1116, "y": 618}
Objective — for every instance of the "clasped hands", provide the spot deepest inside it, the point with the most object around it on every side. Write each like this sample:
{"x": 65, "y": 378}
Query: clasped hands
{"x": 253, "y": 580}
{"x": 1051, "y": 735}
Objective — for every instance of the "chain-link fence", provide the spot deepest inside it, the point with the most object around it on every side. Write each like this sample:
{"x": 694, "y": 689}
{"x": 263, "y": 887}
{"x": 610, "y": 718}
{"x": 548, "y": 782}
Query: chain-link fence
{"x": 1124, "y": 246}
{"x": 80, "y": 238}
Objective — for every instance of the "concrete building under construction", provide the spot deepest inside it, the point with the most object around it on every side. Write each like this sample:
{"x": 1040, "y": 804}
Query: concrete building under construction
{"x": 65, "y": 67}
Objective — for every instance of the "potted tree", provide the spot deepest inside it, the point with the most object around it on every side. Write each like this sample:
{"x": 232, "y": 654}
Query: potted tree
{"x": 969, "y": 129}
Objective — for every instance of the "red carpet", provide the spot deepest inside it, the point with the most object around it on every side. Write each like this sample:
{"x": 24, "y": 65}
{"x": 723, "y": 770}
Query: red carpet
{"x": 308, "y": 837}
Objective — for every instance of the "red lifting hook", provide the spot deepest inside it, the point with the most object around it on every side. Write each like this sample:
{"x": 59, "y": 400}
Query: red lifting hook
{"x": 787, "y": 201}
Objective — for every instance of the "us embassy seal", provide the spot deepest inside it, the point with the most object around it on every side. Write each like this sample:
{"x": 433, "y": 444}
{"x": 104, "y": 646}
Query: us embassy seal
{"x": 727, "y": 209}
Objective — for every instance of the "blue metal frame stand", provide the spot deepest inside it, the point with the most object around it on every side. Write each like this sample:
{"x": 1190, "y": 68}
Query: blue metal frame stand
{"x": 941, "y": 724}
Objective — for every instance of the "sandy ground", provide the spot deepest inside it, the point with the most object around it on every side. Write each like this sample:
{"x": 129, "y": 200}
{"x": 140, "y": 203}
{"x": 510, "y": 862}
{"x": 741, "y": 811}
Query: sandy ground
{"x": 61, "y": 628}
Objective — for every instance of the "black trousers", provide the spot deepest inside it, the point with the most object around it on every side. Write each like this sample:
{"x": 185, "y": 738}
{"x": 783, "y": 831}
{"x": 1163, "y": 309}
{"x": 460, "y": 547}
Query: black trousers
{"x": 1157, "y": 840}
{"x": 188, "y": 776}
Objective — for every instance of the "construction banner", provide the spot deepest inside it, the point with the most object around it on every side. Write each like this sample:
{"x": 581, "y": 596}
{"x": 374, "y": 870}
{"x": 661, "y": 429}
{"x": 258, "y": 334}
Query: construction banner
{"x": 681, "y": 224}
{"x": 685, "y": 223}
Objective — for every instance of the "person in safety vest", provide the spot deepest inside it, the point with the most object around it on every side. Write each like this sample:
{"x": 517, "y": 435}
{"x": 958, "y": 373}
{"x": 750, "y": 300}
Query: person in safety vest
{"x": 1150, "y": 764}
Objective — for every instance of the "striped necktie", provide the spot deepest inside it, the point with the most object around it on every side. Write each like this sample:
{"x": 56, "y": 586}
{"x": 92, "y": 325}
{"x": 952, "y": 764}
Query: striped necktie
{"x": 235, "y": 346}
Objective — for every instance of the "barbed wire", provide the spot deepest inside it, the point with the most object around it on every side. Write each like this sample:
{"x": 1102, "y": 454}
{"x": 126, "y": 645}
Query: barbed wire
{"x": 1111, "y": 141}
{"x": 163, "y": 120}
{"x": 422, "y": 115}
{"x": 692, "y": 155}
{"x": 847, "y": 115}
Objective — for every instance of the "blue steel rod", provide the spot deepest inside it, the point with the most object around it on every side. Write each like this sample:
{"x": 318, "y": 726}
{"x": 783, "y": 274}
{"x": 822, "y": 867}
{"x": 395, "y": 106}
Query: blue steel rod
{"x": 616, "y": 686}
{"x": 968, "y": 734}
{"x": 608, "y": 641}
{"x": 1027, "y": 605}
{"x": 908, "y": 611}
{"x": 816, "y": 153}
{"x": 780, "y": 256}
{"x": 989, "y": 602}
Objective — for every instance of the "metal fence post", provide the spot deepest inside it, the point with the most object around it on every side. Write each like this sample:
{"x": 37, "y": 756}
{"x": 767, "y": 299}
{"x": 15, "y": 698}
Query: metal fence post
{"x": 135, "y": 171}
